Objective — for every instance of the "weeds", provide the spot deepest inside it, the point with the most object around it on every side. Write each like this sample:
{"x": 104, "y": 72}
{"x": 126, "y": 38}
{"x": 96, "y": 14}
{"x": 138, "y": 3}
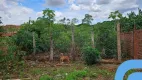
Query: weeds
{"x": 36, "y": 71}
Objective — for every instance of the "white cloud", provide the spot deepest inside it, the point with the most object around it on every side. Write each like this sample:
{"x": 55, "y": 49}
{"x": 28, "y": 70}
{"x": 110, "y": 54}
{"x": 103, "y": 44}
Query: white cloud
{"x": 39, "y": 14}
{"x": 85, "y": 2}
{"x": 124, "y": 5}
{"x": 74, "y": 7}
{"x": 102, "y": 8}
{"x": 127, "y": 12}
{"x": 3, "y": 5}
{"x": 101, "y": 2}
{"x": 91, "y": 7}
{"x": 58, "y": 14}
{"x": 95, "y": 8}
{"x": 54, "y": 3}
{"x": 71, "y": 1}
{"x": 70, "y": 14}
{"x": 12, "y": 13}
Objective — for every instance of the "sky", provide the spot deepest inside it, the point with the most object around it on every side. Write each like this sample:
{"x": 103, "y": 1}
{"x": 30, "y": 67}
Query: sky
{"x": 18, "y": 11}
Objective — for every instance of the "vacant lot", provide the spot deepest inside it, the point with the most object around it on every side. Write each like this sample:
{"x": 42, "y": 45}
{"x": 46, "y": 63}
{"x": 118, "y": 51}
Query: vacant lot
{"x": 34, "y": 70}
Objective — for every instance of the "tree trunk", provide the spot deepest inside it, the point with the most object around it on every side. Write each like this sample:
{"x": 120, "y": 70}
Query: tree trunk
{"x": 73, "y": 44}
{"x": 51, "y": 45}
{"x": 92, "y": 38}
{"x": 34, "y": 45}
{"x": 118, "y": 42}
{"x": 51, "y": 49}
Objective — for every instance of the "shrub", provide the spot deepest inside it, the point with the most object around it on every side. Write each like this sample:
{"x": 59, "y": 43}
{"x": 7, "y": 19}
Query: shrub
{"x": 45, "y": 77}
{"x": 9, "y": 58}
{"x": 23, "y": 40}
{"x": 1, "y": 29}
{"x": 90, "y": 55}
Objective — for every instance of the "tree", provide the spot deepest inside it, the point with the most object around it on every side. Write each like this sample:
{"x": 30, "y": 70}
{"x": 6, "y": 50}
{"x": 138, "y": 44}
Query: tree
{"x": 132, "y": 19}
{"x": 72, "y": 24}
{"x": 88, "y": 20}
{"x": 74, "y": 20}
{"x": 65, "y": 22}
{"x": 117, "y": 15}
{"x": 1, "y": 27}
{"x": 49, "y": 16}
{"x": 106, "y": 39}
{"x": 62, "y": 39}
{"x": 62, "y": 21}
{"x": 140, "y": 12}
{"x": 0, "y": 20}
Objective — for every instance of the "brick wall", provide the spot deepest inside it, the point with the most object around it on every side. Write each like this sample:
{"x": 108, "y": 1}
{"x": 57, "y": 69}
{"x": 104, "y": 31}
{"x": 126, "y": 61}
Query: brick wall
{"x": 127, "y": 43}
{"x": 138, "y": 44}
{"x": 132, "y": 43}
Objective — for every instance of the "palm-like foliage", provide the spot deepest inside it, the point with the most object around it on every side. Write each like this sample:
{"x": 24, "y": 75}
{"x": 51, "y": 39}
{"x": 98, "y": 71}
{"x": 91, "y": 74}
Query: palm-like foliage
{"x": 127, "y": 23}
{"x": 115, "y": 15}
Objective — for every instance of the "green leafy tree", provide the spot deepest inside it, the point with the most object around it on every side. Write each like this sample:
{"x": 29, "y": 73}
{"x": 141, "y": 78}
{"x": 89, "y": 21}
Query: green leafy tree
{"x": 132, "y": 19}
{"x": 82, "y": 36}
{"x": 49, "y": 16}
{"x": 116, "y": 16}
{"x": 71, "y": 23}
{"x": 105, "y": 37}
{"x": 74, "y": 20}
{"x": 24, "y": 39}
{"x": 62, "y": 21}
{"x": 62, "y": 39}
{"x": 88, "y": 20}
{"x": 1, "y": 28}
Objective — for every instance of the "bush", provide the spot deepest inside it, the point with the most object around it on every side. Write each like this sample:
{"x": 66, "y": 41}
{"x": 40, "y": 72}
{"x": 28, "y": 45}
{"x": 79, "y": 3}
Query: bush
{"x": 9, "y": 59}
{"x": 45, "y": 77}
{"x": 1, "y": 29}
{"x": 90, "y": 55}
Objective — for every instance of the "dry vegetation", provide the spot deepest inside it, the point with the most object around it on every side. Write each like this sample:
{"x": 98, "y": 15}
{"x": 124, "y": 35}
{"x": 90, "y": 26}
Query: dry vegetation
{"x": 34, "y": 70}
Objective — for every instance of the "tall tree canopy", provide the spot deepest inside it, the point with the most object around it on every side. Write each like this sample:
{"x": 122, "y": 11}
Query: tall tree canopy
{"x": 115, "y": 15}
{"x": 49, "y": 16}
{"x": 87, "y": 19}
